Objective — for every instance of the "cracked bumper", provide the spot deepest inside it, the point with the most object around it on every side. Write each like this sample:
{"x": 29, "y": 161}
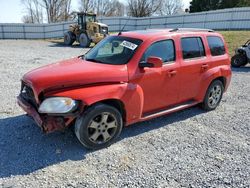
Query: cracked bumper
{"x": 46, "y": 123}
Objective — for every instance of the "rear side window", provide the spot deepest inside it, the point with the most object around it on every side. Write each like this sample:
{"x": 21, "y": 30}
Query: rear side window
{"x": 164, "y": 49}
{"x": 192, "y": 47}
{"x": 216, "y": 46}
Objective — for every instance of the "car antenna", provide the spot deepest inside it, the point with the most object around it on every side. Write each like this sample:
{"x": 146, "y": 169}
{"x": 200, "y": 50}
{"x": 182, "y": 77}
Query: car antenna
{"x": 120, "y": 32}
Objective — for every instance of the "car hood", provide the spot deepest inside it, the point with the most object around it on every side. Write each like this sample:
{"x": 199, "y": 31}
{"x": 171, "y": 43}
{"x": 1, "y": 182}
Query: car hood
{"x": 72, "y": 73}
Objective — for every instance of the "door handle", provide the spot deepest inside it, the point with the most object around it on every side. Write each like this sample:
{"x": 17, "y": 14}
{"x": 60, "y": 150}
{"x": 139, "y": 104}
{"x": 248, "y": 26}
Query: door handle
{"x": 204, "y": 67}
{"x": 172, "y": 73}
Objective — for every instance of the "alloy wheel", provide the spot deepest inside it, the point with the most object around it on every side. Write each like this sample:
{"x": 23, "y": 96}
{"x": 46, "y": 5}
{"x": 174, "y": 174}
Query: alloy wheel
{"x": 102, "y": 128}
{"x": 214, "y": 96}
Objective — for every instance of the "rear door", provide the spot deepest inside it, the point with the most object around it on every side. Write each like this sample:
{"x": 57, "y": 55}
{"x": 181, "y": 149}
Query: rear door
{"x": 194, "y": 64}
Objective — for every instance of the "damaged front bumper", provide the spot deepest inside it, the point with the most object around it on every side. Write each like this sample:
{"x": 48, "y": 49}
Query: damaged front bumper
{"x": 45, "y": 122}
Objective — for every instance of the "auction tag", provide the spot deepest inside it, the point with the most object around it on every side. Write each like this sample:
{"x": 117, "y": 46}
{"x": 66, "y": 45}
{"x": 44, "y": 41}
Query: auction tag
{"x": 129, "y": 45}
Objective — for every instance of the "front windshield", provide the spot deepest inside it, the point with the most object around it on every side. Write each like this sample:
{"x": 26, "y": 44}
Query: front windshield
{"x": 114, "y": 50}
{"x": 90, "y": 18}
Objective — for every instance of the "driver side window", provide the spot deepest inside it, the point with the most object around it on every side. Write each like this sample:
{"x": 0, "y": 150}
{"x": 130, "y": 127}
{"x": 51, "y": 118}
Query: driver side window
{"x": 164, "y": 49}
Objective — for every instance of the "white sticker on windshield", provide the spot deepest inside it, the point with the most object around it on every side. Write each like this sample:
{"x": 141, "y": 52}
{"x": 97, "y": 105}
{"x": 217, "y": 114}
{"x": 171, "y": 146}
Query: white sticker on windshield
{"x": 129, "y": 45}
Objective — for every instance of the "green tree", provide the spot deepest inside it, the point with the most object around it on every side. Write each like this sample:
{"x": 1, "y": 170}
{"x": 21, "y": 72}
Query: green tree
{"x": 243, "y": 3}
{"x": 206, "y": 5}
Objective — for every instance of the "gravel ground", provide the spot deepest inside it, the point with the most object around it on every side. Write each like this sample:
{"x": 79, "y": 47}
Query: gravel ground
{"x": 191, "y": 148}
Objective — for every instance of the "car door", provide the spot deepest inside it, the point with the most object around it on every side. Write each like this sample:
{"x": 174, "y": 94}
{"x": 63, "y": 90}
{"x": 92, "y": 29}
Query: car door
{"x": 194, "y": 63}
{"x": 160, "y": 85}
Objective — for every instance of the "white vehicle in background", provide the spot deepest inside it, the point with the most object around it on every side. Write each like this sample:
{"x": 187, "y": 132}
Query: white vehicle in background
{"x": 242, "y": 55}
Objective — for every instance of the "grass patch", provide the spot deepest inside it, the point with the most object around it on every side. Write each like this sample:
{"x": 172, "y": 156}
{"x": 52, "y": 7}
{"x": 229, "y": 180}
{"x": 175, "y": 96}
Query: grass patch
{"x": 235, "y": 39}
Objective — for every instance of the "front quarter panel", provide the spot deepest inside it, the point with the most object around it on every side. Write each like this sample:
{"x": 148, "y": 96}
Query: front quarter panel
{"x": 129, "y": 94}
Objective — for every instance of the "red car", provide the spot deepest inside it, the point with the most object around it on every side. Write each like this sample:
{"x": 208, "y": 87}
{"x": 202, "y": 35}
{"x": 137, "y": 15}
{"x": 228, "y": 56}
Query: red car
{"x": 128, "y": 78}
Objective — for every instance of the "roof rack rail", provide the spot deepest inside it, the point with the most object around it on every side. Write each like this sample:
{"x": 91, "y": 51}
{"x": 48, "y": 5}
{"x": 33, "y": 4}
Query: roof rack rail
{"x": 191, "y": 29}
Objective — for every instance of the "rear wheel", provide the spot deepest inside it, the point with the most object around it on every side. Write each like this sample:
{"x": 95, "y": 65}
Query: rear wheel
{"x": 69, "y": 38}
{"x": 238, "y": 60}
{"x": 84, "y": 40}
{"x": 99, "y": 126}
{"x": 213, "y": 95}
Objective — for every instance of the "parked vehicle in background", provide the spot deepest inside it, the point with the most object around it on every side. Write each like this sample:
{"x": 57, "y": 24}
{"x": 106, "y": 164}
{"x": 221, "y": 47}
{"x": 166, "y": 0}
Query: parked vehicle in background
{"x": 86, "y": 31}
{"x": 242, "y": 55}
{"x": 128, "y": 78}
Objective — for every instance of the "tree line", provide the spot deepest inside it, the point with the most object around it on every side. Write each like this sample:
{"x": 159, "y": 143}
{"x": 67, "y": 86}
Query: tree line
{"x": 206, "y": 5}
{"x": 39, "y": 11}
{"x": 51, "y": 11}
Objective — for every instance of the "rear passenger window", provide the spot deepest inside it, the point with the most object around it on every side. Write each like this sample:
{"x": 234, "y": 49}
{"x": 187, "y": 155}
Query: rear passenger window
{"x": 192, "y": 47}
{"x": 216, "y": 46}
{"x": 163, "y": 49}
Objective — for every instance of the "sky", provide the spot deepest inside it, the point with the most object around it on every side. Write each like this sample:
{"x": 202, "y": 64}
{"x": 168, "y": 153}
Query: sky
{"x": 11, "y": 11}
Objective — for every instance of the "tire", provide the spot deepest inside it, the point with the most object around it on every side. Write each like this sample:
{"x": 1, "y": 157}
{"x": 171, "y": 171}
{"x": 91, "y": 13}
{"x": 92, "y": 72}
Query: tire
{"x": 99, "y": 126}
{"x": 84, "y": 40}
{"x": 213, "y": 95}
{"x": 244, "y": 64}
{"x": 69, "y": 38}
{"x": 238, "y": 60}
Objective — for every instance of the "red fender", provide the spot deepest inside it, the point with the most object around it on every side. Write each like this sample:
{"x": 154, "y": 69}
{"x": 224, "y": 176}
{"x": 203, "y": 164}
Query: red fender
{"x": 130, "y": 95}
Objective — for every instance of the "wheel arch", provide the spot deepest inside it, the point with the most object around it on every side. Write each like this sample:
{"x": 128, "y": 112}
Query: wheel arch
{"x": 222, "y": 79}
{"x": 116, "y": 103}
{"x": 223, "y": 74}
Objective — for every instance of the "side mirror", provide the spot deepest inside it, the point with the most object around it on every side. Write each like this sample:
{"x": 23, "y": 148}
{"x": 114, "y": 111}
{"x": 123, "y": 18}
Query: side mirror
{"x": 152, "y": 61}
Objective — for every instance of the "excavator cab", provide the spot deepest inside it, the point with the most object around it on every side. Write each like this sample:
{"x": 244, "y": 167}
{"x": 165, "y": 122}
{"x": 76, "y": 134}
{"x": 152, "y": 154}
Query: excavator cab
{"x": 84, "y": 18}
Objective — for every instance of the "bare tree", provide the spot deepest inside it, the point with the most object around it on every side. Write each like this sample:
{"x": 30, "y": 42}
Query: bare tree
{"x": 57, "y": 10}
{"x": 87, "y": 5}
{"x": 112, "y": 8}
{"x": 34, "y": 12}
{"x": 119, "y": 9}
{"x": 170, "y": 7}
{"x": 64, "y": 13}
{"x": 103, "y": 7}
{"x": 142, "y": 8}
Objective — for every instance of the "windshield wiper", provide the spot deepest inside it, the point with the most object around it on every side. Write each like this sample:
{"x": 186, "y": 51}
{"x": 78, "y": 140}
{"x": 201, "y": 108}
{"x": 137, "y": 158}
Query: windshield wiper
{"x": 81, "y": 56}
{"x": 94, "y": 60}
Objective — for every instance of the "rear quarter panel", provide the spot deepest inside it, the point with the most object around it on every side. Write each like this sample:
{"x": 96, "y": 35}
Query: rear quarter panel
{"x": 219, "y": 66}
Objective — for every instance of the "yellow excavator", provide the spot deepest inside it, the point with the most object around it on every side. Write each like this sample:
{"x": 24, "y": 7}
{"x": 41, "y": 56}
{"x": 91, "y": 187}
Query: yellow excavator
{"x": 87, "y": 30}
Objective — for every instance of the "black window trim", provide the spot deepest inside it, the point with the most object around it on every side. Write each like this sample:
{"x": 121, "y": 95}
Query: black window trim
{"x": 167, "y": 62}
{"x": 194, "y": 58}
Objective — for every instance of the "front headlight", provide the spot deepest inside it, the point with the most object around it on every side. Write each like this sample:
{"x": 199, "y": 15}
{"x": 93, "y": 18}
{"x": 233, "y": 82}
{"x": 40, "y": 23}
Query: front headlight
{"x": 57, "y": 105}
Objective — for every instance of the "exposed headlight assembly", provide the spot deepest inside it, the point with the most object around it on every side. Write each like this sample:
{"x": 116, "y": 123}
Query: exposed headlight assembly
{"x": 57, "y": 105}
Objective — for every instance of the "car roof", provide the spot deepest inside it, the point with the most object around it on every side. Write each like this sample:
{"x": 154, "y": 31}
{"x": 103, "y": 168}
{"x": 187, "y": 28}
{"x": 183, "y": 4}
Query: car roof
{"x": 155, "y": 33}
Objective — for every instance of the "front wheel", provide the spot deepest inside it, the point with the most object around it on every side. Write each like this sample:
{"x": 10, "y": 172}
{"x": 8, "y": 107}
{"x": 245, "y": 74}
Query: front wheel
{"x": 84, "y": 40}
{"x": 69, "y": 38}
{"x": 99, "y": 126}
{"x": 238, "y": 60}
{"x": 213, "y": 95}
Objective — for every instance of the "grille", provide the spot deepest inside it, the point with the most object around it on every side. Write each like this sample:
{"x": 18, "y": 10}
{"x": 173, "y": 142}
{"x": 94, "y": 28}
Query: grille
{"x": 28, "y": 95}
